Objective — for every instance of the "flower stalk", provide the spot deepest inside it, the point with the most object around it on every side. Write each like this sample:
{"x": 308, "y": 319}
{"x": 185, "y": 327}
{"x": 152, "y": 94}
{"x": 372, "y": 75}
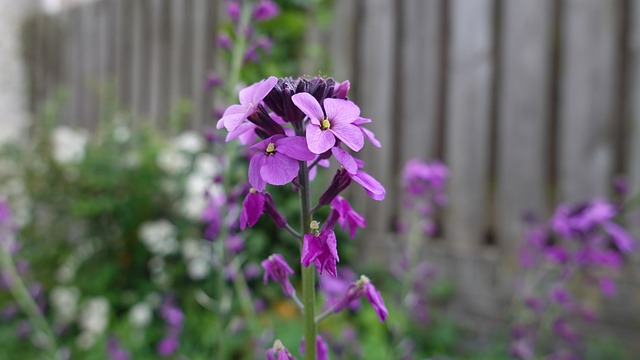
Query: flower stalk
{"x": 308, "y": 273}
{"x": 27, "y": 304}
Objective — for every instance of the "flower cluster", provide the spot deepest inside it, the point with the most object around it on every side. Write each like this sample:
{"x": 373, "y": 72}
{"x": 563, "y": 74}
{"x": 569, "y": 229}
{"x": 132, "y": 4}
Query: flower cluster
{"x": 581, "y": 245}
{"x": 292, "y": 126}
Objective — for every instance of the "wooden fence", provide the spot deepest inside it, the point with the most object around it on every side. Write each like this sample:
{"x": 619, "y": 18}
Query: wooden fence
{"x": 529, "y": 102}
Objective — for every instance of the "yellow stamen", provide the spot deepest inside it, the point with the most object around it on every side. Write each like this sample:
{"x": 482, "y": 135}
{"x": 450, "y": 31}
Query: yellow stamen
{"x": 271, "y": 148}
{"x": 325, "y": 124}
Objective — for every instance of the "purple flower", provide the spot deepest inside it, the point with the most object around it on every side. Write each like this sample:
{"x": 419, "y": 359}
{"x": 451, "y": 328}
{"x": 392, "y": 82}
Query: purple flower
{"x": 621, "y": 238}
{"x": 277, "y": 161}
{"x": 224, "y": 41}
{"x": 250, "y": 99}
{"x": 115, "y": 350}
{"x": 565, "y": 330}
{"x": 366, "y": 132}
{"x": 212, "y": 217}
{"x": 321, "y": 249}
{"x": 342, "y": 179}
{"x": 212, "y": 81}
{"x": 322, "y": 350}
{"x": 254, "y": 205}
{"x": 279, "y": 352}
{"x": 276, "y": 268}
{"x": 348, "y": 218}
{"x": 323, "y": 130}
{"x": 233, "y": 9}
{"x": 171, "y": 314}
{"x": 335, "y": 287}
{"x": 265, "y": 10}
{"x": 357, "y": 289}
{"x": 168, "y": 345}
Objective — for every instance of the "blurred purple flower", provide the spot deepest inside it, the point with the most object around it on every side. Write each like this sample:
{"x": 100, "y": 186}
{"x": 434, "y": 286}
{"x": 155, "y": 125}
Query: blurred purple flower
{"x": 224, "y": 42}
{"x": 168, "y": 345}
{"x": 348, "y": 218}
{"x": 322, "y": 350}
{"x": 279, "y": 352}
{"x": 265, "y": 10}
{"x": 276, "y": 268}
{"x": 115, "y": 350}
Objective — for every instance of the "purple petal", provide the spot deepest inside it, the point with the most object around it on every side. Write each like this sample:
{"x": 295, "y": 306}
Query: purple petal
{"x": 240, "y": 130}
{"x": 376, "y": 301}
{"x": 620, "y": 237}
{"x": 251, "y": 96}
{"x": 262, "y": 145}
{"x": 309, "y": 106}
{"x": 310, "y": 249}
{"x": 279, "y": 169}
{"x": 232, "y": 117}
{"x": 374, "y": 189}
{"x": 255, "y": 165}
{"x": 332, "y": 245}
{"x": 349, "y": 134}
{"x": 251, "y": 209}
{"x": 362, "y": 120}
{"x": 341, "y": 111}
{"x": 345, "y": 159}
{"x": 295, "y": 147}
{"x": 371, "y": 136}
{"x": 319, "y": 141}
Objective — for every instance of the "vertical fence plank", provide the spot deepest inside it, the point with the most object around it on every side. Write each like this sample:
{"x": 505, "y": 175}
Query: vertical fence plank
{"x": 125, "y": 52}
{"x": 181, "y": 32}
{"x": 201, "y": 52}
{"x": 633, "y": 110}
{"x": 524, "y": 101}
{"x": 421, "y": 34}
{"x": 343, "y": 40}
{"x": 156, "y": 60}
{"x": 102, "y": 82}
{"x": 376, "y": 98}
{"x": 588, "y": 91}
{"x": 468, "y": 108}
{"x": 137, "y": 56}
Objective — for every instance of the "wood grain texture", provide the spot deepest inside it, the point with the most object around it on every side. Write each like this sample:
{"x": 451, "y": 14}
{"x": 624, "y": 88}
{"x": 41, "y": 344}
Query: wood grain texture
{"x": 524, "y": 110}
{"x": 588, "y": 87}
{"x": 375, "y": 89}
{"x": 633, "y": 110}
{"x": 468, "y": 108}
{"x": 419, "y": 103}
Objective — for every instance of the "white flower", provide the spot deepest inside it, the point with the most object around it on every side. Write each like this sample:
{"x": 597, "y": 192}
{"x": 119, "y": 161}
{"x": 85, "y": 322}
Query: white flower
{"x": 140, "y": 314}
{"x": 192, "y": 207}
{"x": 64, "y": 301}
{"x": 121, "y": 134}
{"x": 198, "y": 268}
{"x": 207, "y": 165}
{"x": 189, "y": 141}
{"x": 94, "y": 316}
{"x": 159, "y": 237}
{"x": 69, "y": 144}
{"x": 172, "y": 161}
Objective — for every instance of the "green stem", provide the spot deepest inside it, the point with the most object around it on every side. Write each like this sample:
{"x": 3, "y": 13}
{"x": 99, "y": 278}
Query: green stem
{"x": 308, "y": 273}
{"x": 239, "y": 48}
{"x": 27, "y": 304}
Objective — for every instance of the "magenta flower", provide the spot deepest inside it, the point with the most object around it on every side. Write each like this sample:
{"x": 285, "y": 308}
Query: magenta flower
{"x": 254, "y": 205}
{"x": 233, "y": 9}
{"x": 279, "y": 352}
{"x": 276, "y": 268}
{"x": 321, "y": 249}
{"x": 224, "y": 42}
{"x": 363, "y": 287}
{"x": 335, "y": 287}
{"x": 322, "y": 350}
{"x": 342, "y": 179}
{"x": 366, "y": 132}
{"x": 323, "y": 130}
{"x": 348, "y": 218}
{"x": 168, "y": 345}
{"x": 277, "y": 161}
{"x": 250, "y": 99}
{"x": 265, "y": 10}
{"x": 115, "y": 350}
{"x": 621, "y": 238}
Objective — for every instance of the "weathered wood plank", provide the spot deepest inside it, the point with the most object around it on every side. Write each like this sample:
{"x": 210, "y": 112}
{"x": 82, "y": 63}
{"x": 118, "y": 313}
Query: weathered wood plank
{"x": 524, "y": 109}
{"x": 181, "y": 33}
{"x": 633, "y": 105}
{"x": 343, "y": 40}
{"x": 588, "y": 87}
{"x": 138, "y": 57}
{"x": 199, "y": 62}
{"x": 375, "y": 92}
{"x": 468, "y": 122}
{"x": 420, "y": 69}
{"x": 102, "y": 80}
{"x": 155, "y": 61}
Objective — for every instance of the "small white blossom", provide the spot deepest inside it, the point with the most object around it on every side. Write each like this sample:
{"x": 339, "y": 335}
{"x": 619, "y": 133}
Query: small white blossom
{"x": 64, "y": 301}
{"x": 189, "y": 141}
{"x": 94, "y": 316}
{"x": 173, "y": 162}
{"x": 159, "y": 237}
{"x": 140, "y": 314}
{"x": 69, "y": 145}
{"x": 198, "y": 268}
